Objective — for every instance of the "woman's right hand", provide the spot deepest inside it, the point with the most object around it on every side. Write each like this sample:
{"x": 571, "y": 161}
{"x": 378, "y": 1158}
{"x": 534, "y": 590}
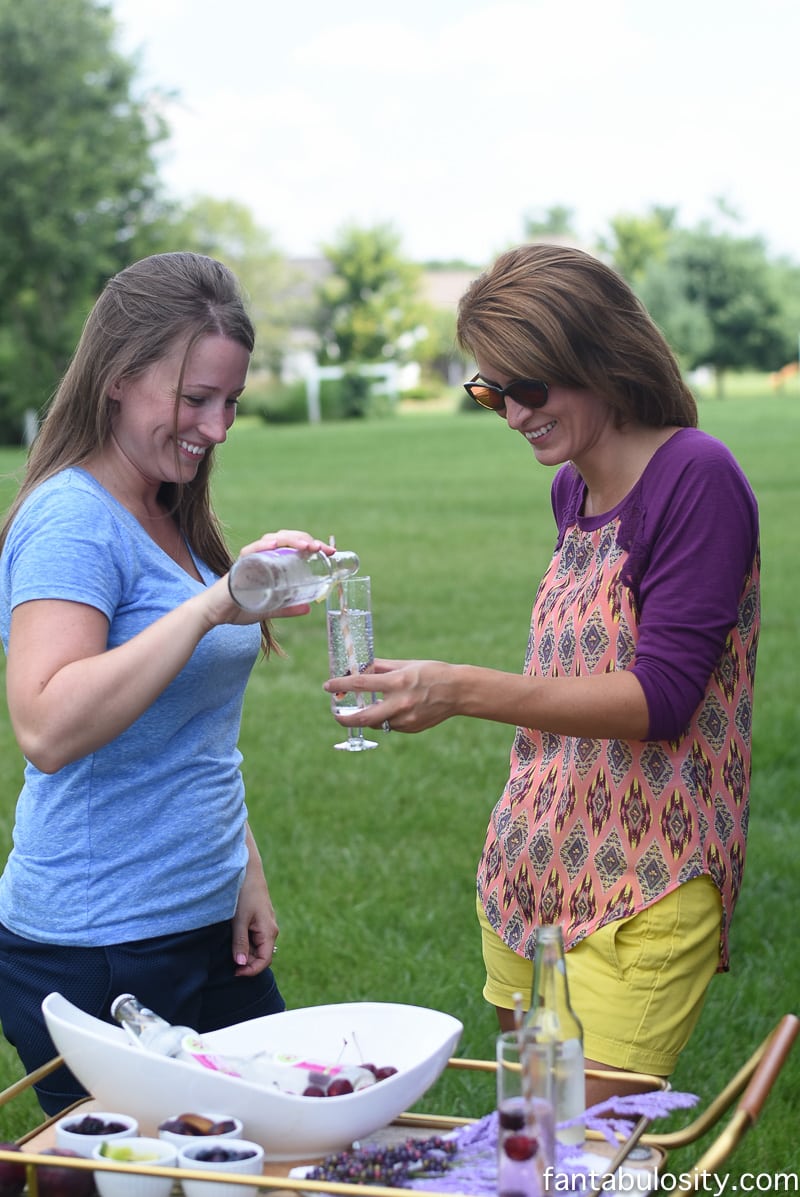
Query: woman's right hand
{"x": 222, "y": 608}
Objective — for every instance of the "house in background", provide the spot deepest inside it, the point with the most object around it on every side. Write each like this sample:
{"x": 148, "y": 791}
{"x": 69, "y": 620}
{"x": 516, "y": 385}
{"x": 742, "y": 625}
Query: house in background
{"x": 442, "y": 289}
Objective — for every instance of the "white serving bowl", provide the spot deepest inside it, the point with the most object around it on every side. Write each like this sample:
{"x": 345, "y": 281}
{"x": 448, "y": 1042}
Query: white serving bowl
{"x": 125, "y": 1181}
{"x": 186, "y": 1140}
{"x": 252, "y": 1166}
{"x": 416, "y": 1040}
{"x": 85, "y": 1144}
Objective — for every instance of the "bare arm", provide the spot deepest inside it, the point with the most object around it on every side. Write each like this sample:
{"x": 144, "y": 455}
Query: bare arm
{"x": 69, "y": 695}
{"x": 419, "y": 694}
{"x": 255, "y": 928}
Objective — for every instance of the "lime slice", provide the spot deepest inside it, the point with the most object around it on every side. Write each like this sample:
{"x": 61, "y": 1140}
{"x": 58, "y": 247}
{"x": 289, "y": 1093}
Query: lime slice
{"x": 119, "y": 1151}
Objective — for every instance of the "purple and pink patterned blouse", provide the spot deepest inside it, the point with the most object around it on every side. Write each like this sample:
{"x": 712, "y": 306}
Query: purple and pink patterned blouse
{"x": 666, "y": 585}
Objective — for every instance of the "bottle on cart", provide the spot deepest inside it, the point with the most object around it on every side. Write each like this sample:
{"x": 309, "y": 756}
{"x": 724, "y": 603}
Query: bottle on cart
{"x": 280, "y": 1070}
{"x": 265, "y": 582}
{"x": 148, "y": 1030}
{"x": 552, "y": 1022}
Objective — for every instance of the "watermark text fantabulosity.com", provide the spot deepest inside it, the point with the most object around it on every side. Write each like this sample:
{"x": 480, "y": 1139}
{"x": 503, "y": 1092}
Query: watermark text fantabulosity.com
{"x": 644, "y": 1181}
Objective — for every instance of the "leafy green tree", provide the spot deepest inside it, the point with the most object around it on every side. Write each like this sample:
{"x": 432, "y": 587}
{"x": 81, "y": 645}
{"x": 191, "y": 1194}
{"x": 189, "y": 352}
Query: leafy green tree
{"x": 556, "y": 221}
{"x": 227, "y": 230}
{"x": 635, "y": 242}
{"x": 787, "y": 281}
{"x": 437, "y": 350}
{"x": 369, "y": 300}
{"x": 79, "y": 192}
{"x": 730, "y": 287}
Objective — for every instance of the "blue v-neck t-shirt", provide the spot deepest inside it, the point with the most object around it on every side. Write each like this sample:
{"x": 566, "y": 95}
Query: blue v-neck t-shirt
{"x": 145, "y": 836}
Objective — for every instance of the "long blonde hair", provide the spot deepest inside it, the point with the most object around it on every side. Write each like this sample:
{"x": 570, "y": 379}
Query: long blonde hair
{"x": 142, "y": 314}
{"x": 560, "y": 314}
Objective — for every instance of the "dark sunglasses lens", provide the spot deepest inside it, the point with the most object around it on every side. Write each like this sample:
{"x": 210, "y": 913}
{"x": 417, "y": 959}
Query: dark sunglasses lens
{"x": 485, "y": 396}
{"x": 528, "y": 392}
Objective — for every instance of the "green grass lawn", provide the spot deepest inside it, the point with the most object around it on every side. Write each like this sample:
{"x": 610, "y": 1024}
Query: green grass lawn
{"x": 371, "y": 859}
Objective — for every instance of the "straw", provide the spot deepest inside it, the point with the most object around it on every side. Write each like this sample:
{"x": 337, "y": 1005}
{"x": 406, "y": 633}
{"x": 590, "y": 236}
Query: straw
{"x": 527, "y": 1080}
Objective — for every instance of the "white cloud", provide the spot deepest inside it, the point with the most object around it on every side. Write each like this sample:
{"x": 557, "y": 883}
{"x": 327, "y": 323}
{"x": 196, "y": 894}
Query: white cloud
{"x": 453, "y": 118}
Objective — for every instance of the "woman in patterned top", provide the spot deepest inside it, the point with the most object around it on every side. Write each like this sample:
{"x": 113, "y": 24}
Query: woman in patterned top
{"x": 625, "y": 812}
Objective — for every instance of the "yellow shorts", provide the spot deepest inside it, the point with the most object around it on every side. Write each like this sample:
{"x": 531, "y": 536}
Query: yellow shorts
{"x": 637, "y": 985}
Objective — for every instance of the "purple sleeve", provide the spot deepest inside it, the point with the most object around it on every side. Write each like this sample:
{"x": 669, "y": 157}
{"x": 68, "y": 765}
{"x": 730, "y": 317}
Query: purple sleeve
{"x": 697, "y": 541}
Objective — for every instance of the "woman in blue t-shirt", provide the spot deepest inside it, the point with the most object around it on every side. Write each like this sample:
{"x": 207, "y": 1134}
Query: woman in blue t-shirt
{"x": 133, "y": 867}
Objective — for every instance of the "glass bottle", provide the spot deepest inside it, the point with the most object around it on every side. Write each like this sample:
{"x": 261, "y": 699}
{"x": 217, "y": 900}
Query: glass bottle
{"x": 265, "y": 582}
{"x": 553, "y": 1023}
{"x": 148, "y": 1030}
{"x": 288, "y": 1072}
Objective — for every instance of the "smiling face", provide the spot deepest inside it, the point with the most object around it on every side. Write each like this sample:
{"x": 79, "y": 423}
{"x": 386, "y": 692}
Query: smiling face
{"x": 160, "y": 445}
{"x": 573, "y": 425}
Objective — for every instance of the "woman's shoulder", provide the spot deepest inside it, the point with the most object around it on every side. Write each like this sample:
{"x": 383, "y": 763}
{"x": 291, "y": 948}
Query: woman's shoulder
{"x": 68, "y": 507}
{"x": 693, "y": 445}
{"x": 68, "y": 491}
{"x": 691, "y": 457}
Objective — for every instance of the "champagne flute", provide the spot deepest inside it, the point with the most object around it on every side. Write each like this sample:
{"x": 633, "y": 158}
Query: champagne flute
{"x": 350, "y": 651}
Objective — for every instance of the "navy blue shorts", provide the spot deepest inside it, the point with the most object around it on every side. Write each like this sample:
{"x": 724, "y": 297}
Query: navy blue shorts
{"x": 187, "y": 978}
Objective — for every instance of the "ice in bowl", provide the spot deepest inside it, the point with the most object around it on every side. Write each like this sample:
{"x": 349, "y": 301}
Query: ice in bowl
{"x": 415, "y": 1040}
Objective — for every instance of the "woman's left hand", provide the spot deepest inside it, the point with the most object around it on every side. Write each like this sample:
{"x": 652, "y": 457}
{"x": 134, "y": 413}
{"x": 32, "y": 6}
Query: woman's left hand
{"x": 416, "y": 694}
{"x": 255, "y": 928}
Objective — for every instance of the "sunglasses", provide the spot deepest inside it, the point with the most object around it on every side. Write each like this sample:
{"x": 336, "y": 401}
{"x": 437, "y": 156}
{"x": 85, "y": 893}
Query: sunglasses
{"x": 529, "y": 392}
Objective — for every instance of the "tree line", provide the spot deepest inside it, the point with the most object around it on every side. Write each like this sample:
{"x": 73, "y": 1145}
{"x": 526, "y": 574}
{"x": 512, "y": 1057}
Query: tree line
{"x": 82, "y": 198}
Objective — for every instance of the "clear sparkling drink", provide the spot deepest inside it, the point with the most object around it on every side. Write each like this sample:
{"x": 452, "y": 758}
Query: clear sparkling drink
{"x": 350, "y": 642}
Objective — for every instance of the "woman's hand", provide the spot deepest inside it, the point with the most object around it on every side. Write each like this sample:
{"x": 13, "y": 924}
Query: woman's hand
{"x": 419, "y": 694}
{"x": 222, "y": 608}
{"x": 254, "y": 927}
{"x": 416, "y": 694}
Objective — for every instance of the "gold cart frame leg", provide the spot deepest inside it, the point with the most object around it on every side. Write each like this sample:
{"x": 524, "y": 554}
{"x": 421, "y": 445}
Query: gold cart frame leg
{"x": 28, "y": 1081}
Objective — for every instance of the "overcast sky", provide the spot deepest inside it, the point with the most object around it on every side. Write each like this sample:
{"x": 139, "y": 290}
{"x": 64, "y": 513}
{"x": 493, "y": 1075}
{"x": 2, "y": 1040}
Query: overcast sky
{"x": 452, "y": 119}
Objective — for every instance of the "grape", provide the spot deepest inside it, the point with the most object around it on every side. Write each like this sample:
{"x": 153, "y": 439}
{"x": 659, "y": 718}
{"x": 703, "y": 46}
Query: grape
{"x": 89, "y": 1125}
{"x": 221, "y": 1155}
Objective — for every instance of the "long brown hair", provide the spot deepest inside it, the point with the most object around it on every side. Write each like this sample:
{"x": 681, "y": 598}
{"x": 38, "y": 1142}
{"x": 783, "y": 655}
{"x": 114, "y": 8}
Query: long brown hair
{"x": 560, "y": 314}
{"x": 142, "y": 314}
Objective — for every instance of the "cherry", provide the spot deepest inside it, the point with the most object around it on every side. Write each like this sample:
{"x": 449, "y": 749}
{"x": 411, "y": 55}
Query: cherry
{"x": 338, "y": 1086}
{"x": 381, "y": 1074}
{"x": 520, "y": 1147}
{"x": 511, "y": 1119}
{"x": 313, "y": 1091}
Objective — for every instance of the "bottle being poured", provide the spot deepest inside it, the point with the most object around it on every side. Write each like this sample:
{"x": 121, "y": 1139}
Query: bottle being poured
{"x": 280, "y": 1070}
{"x": 266, "y": 582}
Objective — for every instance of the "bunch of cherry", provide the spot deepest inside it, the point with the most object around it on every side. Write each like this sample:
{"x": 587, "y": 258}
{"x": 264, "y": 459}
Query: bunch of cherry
{"x": 519, "y": 1145}
{"x": 321, "y": 1084}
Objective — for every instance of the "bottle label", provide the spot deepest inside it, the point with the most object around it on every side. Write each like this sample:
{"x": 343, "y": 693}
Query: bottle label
{"x": 196, "y": 1049}
{"x": 192, "y": 1046}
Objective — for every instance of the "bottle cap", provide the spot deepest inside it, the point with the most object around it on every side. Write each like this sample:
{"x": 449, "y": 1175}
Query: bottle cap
{"x": 117, "y": 1002}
